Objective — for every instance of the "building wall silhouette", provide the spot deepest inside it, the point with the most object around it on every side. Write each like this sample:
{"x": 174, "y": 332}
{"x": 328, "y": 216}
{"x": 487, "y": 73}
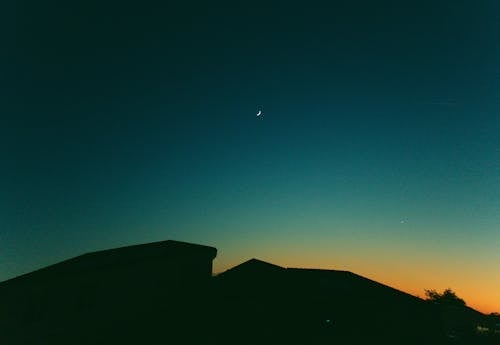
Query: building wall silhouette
{"x": 164, "y": 292}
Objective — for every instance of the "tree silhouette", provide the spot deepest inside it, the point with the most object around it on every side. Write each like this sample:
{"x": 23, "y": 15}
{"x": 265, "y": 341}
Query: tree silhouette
{"x": 448, "y": 297}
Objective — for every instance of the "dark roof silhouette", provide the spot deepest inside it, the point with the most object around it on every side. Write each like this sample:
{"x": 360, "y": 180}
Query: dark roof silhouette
{"x": 321, "y": 306}
{"x": 321, "y": 280}
{"x": 252, "y": 266}
{"x": 164, "y": 291}
{"x": 127, "y": 255}
{"x": 345, "y": 282}
{"x": 117, "y": 296}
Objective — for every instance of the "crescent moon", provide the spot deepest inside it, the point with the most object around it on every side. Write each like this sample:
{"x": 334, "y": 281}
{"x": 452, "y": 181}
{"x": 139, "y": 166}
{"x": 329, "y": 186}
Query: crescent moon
{"x": 259, "y": 113}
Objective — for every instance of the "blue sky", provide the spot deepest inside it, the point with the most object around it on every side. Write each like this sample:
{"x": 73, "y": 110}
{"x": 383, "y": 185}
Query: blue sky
{"x": 142, "y": 127}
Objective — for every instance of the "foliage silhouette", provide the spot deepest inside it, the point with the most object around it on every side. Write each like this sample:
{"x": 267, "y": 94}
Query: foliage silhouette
{"x": 448, "y": 297}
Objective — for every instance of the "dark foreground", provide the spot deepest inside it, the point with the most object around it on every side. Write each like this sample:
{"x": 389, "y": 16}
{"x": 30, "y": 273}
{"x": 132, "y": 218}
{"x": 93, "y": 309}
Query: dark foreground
{"x": 164, "y": 293}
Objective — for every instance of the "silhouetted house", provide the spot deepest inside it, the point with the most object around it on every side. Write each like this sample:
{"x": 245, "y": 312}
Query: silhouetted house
{"x": 317, "y": 306}
{"x": 164, "y": 292}
{"x": 112, "y": 294}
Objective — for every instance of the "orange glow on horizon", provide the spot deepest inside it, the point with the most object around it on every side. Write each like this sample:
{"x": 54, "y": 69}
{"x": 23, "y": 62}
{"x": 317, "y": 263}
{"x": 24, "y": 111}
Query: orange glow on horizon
{"x": 410, "y": 277}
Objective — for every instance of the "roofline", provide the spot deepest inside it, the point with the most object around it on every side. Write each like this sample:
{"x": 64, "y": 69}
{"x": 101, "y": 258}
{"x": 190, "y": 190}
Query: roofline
{"x": 110, "y": 250}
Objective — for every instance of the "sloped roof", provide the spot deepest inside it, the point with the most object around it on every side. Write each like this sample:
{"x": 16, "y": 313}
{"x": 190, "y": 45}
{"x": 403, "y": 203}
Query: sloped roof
{"x": 315, "y": 282}
{"x": 346, "y": 281}
{"x": 324, "y": 277}
{"x": 123, "y": 255}
{"x": 252, "y": 266}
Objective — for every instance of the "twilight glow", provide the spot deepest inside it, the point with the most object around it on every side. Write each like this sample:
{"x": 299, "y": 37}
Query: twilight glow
{"x": 359, "y": 137}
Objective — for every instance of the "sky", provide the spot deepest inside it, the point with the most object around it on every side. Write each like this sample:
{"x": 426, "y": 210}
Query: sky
{"x": 377, "y": 151}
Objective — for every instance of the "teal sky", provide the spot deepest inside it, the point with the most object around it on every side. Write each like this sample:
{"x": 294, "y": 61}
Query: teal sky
{"x": 378, "y": 151}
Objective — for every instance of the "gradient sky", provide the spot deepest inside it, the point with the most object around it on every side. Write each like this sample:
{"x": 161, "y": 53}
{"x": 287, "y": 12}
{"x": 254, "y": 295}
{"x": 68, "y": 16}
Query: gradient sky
{"x": 378, "y": 151}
